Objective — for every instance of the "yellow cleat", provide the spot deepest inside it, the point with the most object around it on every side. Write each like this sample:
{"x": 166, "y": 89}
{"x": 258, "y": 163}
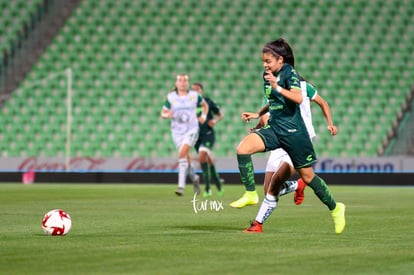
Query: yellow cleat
{"x": 338, "y": 216}
{"x": 248, "y": 198}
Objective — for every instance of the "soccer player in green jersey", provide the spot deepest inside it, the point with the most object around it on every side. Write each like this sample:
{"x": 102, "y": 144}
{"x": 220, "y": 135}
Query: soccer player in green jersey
{"x": 279, "y": 165}
{"x": 205, "y": 143}
{"x": 286, "y": 129}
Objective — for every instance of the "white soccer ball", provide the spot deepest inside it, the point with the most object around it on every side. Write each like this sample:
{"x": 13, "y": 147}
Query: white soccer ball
{"x": 56, "y": 223}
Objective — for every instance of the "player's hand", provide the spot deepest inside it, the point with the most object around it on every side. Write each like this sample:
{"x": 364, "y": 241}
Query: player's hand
{"x": 252, "y": 130}
{"x": 167, "y": 114}
{"x": 246, "y": 116}
{"x": 271, "y": 78}
{"x": 211, "y": 122}
{"x": 332, "y": 129}
{"x": 201, "y": 119}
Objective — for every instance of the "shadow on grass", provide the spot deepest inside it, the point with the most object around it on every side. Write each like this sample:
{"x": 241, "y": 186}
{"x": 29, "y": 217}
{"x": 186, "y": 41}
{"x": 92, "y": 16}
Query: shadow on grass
{"x": 48, "y": 236}
{"x": 40, "y": 235}
{"x": 209, "y": 227}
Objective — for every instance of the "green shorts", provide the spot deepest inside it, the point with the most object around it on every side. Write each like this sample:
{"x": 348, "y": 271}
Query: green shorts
{"x": 206, "y": 139}
{"x": 298, "y": 145}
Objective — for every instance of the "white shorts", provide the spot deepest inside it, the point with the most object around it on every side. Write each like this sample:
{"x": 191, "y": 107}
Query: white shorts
{"x": 276, "y": 158}
{"x": 189, "y": 138}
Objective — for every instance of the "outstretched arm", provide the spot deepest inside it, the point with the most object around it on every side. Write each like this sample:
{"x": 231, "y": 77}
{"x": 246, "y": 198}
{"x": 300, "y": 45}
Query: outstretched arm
{"x": 215, "y": 120}
{"x": 262, "y": 122}
{"x": 246, "y": 116}
{"x": 204, "y": 112}
{"x": 326, "y": 110}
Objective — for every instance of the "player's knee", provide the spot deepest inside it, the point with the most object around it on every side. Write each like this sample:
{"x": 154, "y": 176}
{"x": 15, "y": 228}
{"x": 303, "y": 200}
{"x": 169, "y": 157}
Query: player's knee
{"x": 202, "y": 156}
{"x": 243, "y": 149}
{"x": 244, "y": 152}
{"x": 307, "y": 177}
{"x": 307, "y": 174}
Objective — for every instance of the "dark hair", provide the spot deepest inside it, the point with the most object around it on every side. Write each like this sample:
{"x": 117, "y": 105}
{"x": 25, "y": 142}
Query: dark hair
{"x": 199, "y": 85}
{"x": 280, "y": 47}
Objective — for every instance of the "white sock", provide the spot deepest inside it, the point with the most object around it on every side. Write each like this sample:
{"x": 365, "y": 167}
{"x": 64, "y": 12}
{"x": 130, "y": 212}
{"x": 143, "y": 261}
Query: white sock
{"x": 268, "y": 206}
{"x": 289, "y": 186}
{"x": 182, "y": 171}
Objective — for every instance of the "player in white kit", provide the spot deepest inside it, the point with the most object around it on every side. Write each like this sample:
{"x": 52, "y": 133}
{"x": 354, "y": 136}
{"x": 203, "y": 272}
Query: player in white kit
{"x": 181, "y": 107}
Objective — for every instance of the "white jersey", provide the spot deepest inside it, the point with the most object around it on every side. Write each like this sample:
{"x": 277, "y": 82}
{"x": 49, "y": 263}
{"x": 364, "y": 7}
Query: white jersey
{"x": 308, "y": 93}
{"x": 184, "y": 110}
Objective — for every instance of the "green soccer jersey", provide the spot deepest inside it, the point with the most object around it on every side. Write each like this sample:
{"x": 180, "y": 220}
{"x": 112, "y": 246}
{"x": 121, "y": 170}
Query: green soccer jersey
{"x": 310, "y": 92}
{"x": 213, "y": 110}
{"x": 284, "y": 114}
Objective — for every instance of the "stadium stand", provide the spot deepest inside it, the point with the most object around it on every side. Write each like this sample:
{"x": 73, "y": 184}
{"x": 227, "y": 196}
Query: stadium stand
{"x": 125, "y": 55}
{"x": 27, "y": 29}
{"x": 14, "y": 14}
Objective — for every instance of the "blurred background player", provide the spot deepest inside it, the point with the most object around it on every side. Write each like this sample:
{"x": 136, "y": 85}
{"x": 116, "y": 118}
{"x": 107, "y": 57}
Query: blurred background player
{"x": 205, "y": 143}
{"x": 192, "y": 175}
{"x": 279, "y": 165}
{"x": 181, "y": 107}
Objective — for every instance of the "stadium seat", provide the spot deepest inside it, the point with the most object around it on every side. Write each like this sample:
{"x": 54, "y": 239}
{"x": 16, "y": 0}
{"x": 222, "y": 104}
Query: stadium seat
{"x": 125, "y": 55}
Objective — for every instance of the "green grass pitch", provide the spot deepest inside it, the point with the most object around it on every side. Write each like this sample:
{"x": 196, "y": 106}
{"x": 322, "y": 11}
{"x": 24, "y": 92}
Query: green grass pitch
{"x": 147, "y": 229}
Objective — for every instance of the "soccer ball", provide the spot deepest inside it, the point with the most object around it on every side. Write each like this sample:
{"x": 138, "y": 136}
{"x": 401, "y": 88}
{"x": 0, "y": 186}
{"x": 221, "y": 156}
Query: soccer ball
{"x": 56, "y": 223}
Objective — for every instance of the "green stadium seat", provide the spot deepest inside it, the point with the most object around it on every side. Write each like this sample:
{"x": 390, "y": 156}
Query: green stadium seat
{"x": 125, "y": 55}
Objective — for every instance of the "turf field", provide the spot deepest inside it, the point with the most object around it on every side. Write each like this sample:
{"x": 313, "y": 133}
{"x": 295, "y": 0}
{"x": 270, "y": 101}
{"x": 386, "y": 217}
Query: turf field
{"x": 146, "y": 229}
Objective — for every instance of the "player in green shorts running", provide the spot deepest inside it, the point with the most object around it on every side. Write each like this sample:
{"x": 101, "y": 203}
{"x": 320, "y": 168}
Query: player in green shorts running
{"x": 286, "y": 129}
{"x": 205, "y": 143}
{"x": 279, "y": 166}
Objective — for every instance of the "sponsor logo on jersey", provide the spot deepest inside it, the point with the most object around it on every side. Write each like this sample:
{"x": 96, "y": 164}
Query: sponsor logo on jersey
{"x": 275, "y": 107}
